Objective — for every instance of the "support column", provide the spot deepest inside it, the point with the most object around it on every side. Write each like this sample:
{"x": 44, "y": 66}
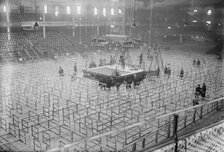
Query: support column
{"x": 73, "y": 23}
{"x": 97, "y": 30}
{"x": 123, "y": 17}
{"x": 8, "y": 20}
{"x": 44, "y": 28}
{"x": 181, "y": 38}
{"x": 150, "y": 24}
{"x": 80, "y": 31}
{"x": 175, "y": 129}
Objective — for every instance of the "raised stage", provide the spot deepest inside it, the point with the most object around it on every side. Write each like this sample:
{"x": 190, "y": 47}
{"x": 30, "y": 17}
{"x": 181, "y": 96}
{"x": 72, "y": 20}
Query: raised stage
{"x": 108, "y": 70}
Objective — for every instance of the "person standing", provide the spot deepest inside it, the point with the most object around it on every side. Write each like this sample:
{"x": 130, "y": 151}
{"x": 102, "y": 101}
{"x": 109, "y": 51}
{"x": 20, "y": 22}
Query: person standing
{"x": 111, "y": 60}
{"x": 194, "y": 62}
{"x": 181, "y": 73}
{"x": 165, "y": 70}
{"x": 61, "y": 71}
{"x": 198, "y": 91}
{"x": 203, "y": 90}
{"x": 157, "y": 72}
{"x": 75, "y": 68}
{"x": 140, "y": 59}
{"x": 198, "y": 63}
{"x": 74, "y": 72}
{"x": 169, "y": 72}
{"x": 122, "y": 62}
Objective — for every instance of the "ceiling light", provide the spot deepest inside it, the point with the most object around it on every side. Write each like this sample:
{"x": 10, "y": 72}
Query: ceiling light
{"x": 209, "y": 12}
{"x": 195, "y": 11}
{"x": 4, "y": 8}
{"x": 208, "y": 22}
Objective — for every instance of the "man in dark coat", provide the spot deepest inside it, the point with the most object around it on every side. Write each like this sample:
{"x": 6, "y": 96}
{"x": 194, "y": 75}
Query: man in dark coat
{"x": 181, "y": 73}
{"x": 165, "y": 70}
{"x": 198, "y": 91}
{"x": 203, "y": 90}
{"x": 198, "y": 63}
{"x": 61, "y": 72}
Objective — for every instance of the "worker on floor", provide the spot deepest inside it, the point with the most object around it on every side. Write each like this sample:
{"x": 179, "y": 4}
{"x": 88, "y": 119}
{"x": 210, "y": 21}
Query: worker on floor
{"x": 157, "y": 72}
{"x": 111, "y": 60}
{"x": 198, "y": 63}
{"x": 198, "y": 91}
{"x": 122, "y": 62}
{"x": 74, "y": 72}
{"x": 194, "y": 62}
{"x": 61, "y": 72}
{"x": 181, "y": 73}
{"x": 203, "y": 91}
{"x": 195, "y": 102}
{"x": 165, "y": 70}
{"x": 168, "y": 72}
{"x": 140, "y": 59}
{"x": 92, "y": 64}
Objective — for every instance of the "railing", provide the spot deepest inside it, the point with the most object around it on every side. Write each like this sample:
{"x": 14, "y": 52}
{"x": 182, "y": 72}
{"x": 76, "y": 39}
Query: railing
{"x": 187, "y": 117}
{"x": 142, "y": 143}
{"x": 183, "y": 138}
{"x": 4, "y": 144}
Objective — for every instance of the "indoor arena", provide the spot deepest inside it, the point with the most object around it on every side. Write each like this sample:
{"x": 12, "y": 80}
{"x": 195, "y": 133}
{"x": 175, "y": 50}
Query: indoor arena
{"x": 111, "y": 75}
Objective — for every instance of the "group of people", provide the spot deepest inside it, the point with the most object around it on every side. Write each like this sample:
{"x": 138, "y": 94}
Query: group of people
{"x": 198, "y": 62}
{"x": 102, "y": 62}
{"x": 200, "y": 91}
{"x": 167, "y": 71}
{"x": 61, "y": 71}
{"x": 181, "y": 73}
{"x": 122, "y": 61}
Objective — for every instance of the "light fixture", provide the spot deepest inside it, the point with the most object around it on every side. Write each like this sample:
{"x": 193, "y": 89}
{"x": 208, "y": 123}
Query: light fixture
{"x": 68, "y": 10}
{"x": 56, "y": 10}
{"x": 119, "y": 11}
{"x": 95, "y": 11}
{"x": 209, "y": 12}
{"x": 208, "y": 22}
{"x": 104, "y": 12}
{"x": 112, "y": 11}
{"x": 45, "y": 9}
{"x": 78, "y": 10}
{"x": 4, "y": 8}
{"x": 195, "y": 10}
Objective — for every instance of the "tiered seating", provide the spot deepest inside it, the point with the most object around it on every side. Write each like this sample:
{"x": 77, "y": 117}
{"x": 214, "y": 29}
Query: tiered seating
{"x": 61, "y": 17}
{"x": 31, "y": 17}
{"x": 18, "y": 48}
{"x": 208, "y": 140}
{"x": 15, "y": 17}
{"x": 53, "y": 43}
{"x": 3, "y": 19}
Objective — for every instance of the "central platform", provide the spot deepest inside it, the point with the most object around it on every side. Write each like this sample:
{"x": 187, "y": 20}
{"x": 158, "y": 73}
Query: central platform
{"x": 108, "y": 70}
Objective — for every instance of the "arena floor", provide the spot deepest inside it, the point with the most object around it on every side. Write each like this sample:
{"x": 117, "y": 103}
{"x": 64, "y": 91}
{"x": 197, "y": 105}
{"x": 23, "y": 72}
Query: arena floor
{"x": 45, "y": 111}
